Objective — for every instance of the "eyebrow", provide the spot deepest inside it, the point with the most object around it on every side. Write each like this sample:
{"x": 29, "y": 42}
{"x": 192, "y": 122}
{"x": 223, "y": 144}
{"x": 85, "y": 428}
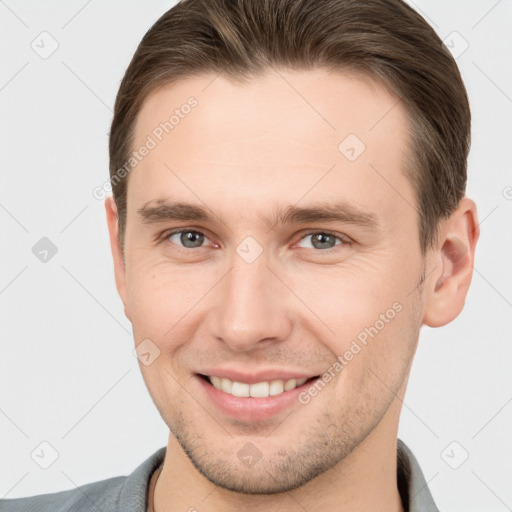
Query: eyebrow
{"x": 158, "y": 211}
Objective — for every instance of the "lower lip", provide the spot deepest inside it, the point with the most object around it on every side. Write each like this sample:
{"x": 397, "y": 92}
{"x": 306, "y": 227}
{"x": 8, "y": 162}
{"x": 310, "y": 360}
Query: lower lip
{"x": 252, "y": 409}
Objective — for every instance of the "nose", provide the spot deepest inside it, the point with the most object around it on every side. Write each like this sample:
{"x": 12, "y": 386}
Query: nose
{"x": 252, "y": 306}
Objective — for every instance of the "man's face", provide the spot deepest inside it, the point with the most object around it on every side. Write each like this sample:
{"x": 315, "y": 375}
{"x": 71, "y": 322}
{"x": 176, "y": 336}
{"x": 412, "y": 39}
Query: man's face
{"x": 241, "y": 297}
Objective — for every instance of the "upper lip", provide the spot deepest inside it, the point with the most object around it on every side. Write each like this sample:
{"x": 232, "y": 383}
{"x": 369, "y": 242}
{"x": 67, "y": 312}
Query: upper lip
{"x": 256, "y": 376}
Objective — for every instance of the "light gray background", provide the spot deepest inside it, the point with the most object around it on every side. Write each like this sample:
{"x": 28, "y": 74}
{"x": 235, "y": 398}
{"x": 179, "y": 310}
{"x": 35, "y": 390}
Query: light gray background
{"x": 68, "y": 376}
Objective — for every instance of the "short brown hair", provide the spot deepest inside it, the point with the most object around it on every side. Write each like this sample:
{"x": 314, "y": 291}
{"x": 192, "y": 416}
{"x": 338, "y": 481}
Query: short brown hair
{"x": 384, "y": 39}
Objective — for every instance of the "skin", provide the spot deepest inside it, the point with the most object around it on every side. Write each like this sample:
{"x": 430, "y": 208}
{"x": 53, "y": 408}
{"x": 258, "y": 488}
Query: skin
{"x": 244, "y": 151}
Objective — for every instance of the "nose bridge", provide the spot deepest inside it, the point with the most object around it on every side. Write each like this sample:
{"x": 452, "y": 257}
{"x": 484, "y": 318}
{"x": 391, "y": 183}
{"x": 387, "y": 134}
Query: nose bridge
{"x": 251, "y": 307}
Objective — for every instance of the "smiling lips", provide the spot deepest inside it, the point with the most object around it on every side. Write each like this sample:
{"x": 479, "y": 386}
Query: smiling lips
{"x": 255, "y": 396}
{"x": 262, "y": 389}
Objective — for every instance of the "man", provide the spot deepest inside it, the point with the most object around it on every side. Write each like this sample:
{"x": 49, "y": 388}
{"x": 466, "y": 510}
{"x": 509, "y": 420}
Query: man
{"x": 288, "y": 211}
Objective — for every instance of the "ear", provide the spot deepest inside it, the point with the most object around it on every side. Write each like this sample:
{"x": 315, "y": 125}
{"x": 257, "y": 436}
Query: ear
{"x": 453, "y": 261}
{"x": 117, "y": 254}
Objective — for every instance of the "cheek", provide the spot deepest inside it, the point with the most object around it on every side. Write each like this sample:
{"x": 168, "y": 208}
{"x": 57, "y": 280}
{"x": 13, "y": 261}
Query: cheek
{"x": 348, "y": 298}
{"x": 364, "y": 312}
{"x": 161, "y": 295}
{"x": 162, "y": 309}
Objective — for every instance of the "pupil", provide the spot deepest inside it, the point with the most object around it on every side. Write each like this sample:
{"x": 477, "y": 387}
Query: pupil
{"x": 191, "y": 239}
{"x": 323, "y": 239}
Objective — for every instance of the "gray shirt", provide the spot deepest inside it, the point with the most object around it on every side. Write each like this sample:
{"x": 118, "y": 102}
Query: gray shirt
{"x": 129, "y": 493}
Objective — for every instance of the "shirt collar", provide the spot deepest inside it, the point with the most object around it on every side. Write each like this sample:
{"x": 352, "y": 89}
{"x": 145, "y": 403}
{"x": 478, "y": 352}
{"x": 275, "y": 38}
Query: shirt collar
{"x": 412, "y": 486}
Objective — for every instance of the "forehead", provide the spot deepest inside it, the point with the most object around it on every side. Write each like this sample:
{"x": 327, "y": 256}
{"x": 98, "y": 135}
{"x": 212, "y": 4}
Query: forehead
{"x": 280, "y": 136}
{"x": 309, "y": 105}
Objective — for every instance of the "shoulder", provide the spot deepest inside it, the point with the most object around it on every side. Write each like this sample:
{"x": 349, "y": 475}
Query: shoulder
{"x": 117, "y": 494}
{"x": 102, "y": 495}
{"x": 411, "y": 482}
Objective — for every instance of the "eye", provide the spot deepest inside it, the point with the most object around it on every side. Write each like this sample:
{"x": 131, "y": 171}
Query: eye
{"x": 323, "y": 240}
{"x": 187, "y": 238}
{"x": 192, "y": 239}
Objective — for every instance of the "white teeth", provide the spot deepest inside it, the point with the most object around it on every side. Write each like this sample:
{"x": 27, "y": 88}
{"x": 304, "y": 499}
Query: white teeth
{"x": 240, "y": 389}
{"x": 260, "y": 390}
{"x": 216, "y": 381}
{"x": 290, "y": 384}
{"x": 257, "y": 390}
{"x": 226, "y": 385}
{"x": 276, "y": 387}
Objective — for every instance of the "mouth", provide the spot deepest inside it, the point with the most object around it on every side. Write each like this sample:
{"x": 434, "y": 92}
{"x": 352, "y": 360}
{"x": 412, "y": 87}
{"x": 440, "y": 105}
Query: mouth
{"x": 263, "y": 389}
{"x": 256, "y": 401}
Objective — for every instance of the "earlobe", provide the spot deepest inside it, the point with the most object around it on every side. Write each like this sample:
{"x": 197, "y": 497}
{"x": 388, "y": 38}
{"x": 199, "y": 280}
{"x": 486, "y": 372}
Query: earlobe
{"x": 455, "y": 254}
{"x": 117, "y": 255}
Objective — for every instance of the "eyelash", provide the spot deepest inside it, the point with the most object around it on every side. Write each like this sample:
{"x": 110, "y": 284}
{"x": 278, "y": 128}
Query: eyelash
{"x": 344, "y": 240}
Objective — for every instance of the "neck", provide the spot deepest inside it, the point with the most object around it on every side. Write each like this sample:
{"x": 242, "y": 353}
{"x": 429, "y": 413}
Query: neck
{"x": 364, "y": 480}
